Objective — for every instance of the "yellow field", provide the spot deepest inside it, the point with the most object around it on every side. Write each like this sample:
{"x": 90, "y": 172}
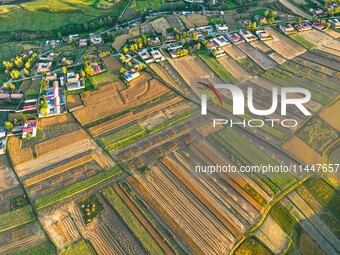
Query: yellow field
{"x": 297, "y": 148}
{"x": 331, "y": 115}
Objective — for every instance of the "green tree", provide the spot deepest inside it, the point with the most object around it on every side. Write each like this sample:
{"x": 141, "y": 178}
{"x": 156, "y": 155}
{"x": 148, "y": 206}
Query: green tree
{"x": 253, "y": 26}
{"x": 122, "y": 70}
{"x": 274, "y": 13}
{"x": 64, "y": 69}
{"x": 122, "y": 58}
{"x": 198, "y": 46}
{"x": 26, "y": 72}
{"x": 82, "y": 73}
{"x": 9, "y": 125}
{"x": 299, "y": 20}
{"x": 266, "y": 12}
{"x": 194, "y": 36}
{"x": 89, "y": 70}
{"x": 15, "y": 74}
{"x": 125, "y": 49}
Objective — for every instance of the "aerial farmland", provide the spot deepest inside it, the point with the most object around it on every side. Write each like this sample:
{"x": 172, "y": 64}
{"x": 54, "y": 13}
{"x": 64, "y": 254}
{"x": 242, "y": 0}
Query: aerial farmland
{"x": 118, "y": 136}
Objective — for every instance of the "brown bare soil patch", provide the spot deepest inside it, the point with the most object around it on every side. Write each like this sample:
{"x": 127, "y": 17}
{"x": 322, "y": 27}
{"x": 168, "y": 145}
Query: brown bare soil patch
{"x": 331, "y": 115}
{"x": 297, "y": 148}
{"x": 112, "y": 64}
{"x": 129, "y": 117}
{"x": 73, "y": 102}
{"x": 17, "y": 154}
{"x": 208, "y": 128}
{"x": 283, "y": 45}
{"x": 194, "y": 20}
{"x": 260, "y": 45}
{"x": 234, "y": 68}
{"x": 160, "y": 25}
{"x": 55, "y": 121}
{"x": 234, "y": 52}
{"x": 308, "y": 246}
{"x": 279, "y": 59}
{"x": 58, "y": 170}
{"x": 332, "y": 33}
{"x": 58, "y": 142}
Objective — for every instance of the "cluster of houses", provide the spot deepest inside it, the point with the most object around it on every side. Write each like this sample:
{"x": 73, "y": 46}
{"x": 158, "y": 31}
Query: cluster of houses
{"x": 27, "y": 129}
{"x": 93, "y": 39}
{"x": 150, "y": 55}
{"x": 54, "y": 97}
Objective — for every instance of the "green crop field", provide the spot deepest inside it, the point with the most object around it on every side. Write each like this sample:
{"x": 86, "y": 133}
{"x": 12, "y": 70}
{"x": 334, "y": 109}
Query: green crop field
{"x": 123, "y": 136}
{"x": 45, "y": 248}
{"x": 15, "y": 218}
{"x": 133, "y": 223}
{"x": 76, "y": 188}
{"x": 77, "y": 249}
{"x": 302, "y": 41}
{"x": 252, "y": 247}
{"x": 103, "y": 78}
{"x": 325, "y": 194}
{"x": 218, "y": 69}
{"x": 42, "y": 15}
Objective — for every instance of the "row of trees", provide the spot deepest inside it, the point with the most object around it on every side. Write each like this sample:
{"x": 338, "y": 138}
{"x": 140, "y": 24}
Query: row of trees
{"x": 13, "y": 66}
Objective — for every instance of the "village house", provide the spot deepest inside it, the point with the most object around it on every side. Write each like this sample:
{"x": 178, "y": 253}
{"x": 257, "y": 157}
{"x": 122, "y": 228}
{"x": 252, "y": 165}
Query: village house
{"x": 304, "y": 26}
{"x": 95, "y": 39}
{"x": 157, "y": 56}
{"x": 82, "y": 42}
{"x": 335, "y": 23}
{"x": 319, "y": 26}
{"x": 263, "y": 35}
{"x": 221, "y": 28}
{"x": 221, "y": 41}
{"x": 130, "y": 75}
{"x": 74, "y": 81}
{"x": 30, "y": 129}
{"x": 287, "y": 29}
{"x": 247, "y": 36}
{"x": 44, "y": 67}
{"x": 234, "y": 38}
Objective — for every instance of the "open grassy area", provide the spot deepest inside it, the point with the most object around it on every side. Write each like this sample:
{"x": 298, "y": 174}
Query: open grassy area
{"x": 133, "y": 223}
{"x": 302, "y": 41}
{"x": 42, "y": 15}
{"x": 103, "y": 78}
{"x": 284, "y": 219}
{"x": 76, "y": 188}
{"x": 9, "y": 50}
{"x": 45, "y": 248}
{"x": 77, "y": 249}
{"x": 15, "y": 218}
{"x": 218, "y": 69}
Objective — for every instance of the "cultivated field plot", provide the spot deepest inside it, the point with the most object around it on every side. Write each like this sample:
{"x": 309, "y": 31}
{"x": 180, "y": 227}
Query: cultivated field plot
{"x": 168, "y": 196}
{"x": 308, "y": 246}
{"x": 122, "y": 120}
{"x": 112, "y": 64}
{"x": 318, "y": 67}
{"x": 146, "y": 28}
{"x": 55, "y": 156}
{"x": 192, "y": 67}
{"x": 7, "y": 176}
{"x": 331, "y": 115}
{"x": 107, "y": 100}
{"x": 279, "y": 59}
{"x": 272, "y": 236}
{"x": 18, "y": 154}
{"x": 55, "y": 121}
{"x": 260, "y": 45}
{"x": 284, "y": 45}
{"x": 258, "y": 56}
{"x": 60, "y": 228}
{"x": 175, "y": 22}
{"x": 317, "y": 37}
{"x": 121, "y": 39}
{"x": 300, "y": 150}
{"x": 21, "y": 238}
{"x": 107, "y": 233}
{"x": 295, "y": 9}
{"x": 322, "y": 58}
{"x": 234, "y": 52}
{"x": 74, "y": 102}
{"x": 194, "y": 20}
{"x": 332, "y": 33}
{"x": 234, "y": 68}
{"x": 165, "y": 76}
{"x": 160, "y": 25}
{"x": 142, "y": 87}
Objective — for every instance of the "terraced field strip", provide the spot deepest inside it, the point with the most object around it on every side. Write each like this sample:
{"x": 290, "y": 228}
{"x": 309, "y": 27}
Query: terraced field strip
{"x": 234, "y": 68}
{"x": 20, "y": 247}
{"x": 76, "y": 188}
{"x": 129, "y": 117}
{"x": 230, "y": 179}
{"x": 283, "y": 45}
{"x": 56, "y": 156}
{"x": 103, "y": 160}
{"x": 208, "y": 201}
{"x": 195, "y": 219}
{"x": 142, "y": 220}
{"x": 17, "y": 154}
{"x": 176, "y": 227}
{"x": 257, "y": 56}
{"x": 59, "y": 142}
{"x": 16, "y": 218}
{"x": 131, "y": 220}
{"x": 58, "y": 170}
{"x": 234, "y": 52}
